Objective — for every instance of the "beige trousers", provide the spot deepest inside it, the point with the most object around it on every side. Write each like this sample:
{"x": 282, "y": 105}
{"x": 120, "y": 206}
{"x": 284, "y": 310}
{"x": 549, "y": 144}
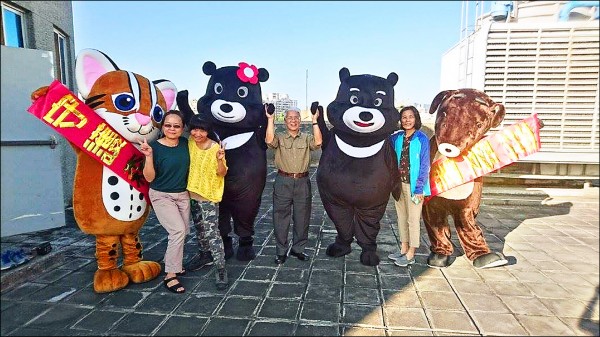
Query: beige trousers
{"x": 409, "y": 217}
{"x": 173, "y": 212}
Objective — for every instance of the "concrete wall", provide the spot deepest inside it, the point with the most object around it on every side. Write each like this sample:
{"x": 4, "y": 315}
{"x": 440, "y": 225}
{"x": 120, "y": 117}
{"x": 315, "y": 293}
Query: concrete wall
{"x": 41, "y": 18}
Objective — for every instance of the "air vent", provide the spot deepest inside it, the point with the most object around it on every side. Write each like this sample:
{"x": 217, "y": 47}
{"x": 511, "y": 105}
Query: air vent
{"x": 551, "y": 71}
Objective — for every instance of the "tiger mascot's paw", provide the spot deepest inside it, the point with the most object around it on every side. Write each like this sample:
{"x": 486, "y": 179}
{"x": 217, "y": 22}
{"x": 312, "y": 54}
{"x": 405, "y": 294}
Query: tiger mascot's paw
{"x": 39, "y": 92}
{"x": 106, "y": 281}
{"x": 142, "y": 271}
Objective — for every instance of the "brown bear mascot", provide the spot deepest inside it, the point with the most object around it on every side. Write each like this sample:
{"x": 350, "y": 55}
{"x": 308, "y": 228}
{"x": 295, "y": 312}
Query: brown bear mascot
{"x": 463, "y": 118}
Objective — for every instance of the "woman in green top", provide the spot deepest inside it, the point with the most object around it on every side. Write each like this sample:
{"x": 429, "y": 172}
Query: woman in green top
{"x": 166, "y": 169}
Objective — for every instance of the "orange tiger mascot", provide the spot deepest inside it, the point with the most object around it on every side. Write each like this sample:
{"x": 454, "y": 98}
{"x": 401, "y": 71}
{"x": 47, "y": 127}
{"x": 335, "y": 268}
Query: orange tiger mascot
{"x": 104, "y": 204}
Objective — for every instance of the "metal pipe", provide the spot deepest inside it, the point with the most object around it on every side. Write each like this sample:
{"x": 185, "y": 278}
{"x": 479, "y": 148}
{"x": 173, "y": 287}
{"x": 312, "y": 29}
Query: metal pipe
{"x": 569, "y": 6}
{"x": 51, "y": 142}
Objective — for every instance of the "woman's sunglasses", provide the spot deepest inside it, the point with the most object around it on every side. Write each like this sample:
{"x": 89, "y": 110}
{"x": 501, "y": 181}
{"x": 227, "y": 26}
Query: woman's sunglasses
{"x": 168, "y": 126}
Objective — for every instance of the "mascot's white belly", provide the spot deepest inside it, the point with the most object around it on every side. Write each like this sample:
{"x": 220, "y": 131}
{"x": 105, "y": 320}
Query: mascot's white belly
{"x": 121, "y": 200}
{"x": 460, "y": 192}
{"x": 235, "y": 141}
{"x": 358, "y": 152}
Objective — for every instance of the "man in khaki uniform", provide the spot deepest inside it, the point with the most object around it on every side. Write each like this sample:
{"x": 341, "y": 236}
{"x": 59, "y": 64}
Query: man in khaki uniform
{"x": 292, "y": 194}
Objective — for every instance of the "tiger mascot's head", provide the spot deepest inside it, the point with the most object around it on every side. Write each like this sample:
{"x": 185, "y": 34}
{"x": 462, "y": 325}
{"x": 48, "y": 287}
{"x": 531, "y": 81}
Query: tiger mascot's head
{"x": 133, "y": 105}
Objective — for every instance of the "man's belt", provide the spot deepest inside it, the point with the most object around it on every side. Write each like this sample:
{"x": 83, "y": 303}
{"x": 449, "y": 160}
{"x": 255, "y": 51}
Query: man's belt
{"x": 293, "y": 175}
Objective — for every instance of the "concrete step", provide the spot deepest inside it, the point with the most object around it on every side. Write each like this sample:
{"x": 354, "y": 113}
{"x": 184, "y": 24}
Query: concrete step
{"x": 28, "y": 271}
{"x": 514, "y": 179}
{"x": 535, "y": 196}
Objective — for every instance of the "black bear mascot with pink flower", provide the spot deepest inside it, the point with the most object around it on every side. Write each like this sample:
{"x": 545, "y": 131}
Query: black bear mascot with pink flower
{"x": 233, "y": 104}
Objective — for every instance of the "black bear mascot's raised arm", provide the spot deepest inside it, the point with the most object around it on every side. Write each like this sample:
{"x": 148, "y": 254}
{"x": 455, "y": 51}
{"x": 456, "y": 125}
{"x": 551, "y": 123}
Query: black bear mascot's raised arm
{"x": 358, "y": 166}
{"x": 233, "y": 104}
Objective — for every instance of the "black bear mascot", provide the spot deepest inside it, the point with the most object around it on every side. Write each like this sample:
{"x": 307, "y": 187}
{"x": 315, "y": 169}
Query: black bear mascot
{"x": 233, "y": 104}
{"x": 358, "y": 166}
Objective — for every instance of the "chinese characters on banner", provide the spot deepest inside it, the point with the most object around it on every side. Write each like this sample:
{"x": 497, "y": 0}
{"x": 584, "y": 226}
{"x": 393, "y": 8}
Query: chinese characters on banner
{"x": 67, "y": 115}
{"x": 489, "y": 154}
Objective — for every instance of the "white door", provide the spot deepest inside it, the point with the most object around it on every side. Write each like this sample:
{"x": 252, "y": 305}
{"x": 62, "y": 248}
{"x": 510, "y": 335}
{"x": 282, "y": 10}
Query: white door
{"x": 32, "y": 188}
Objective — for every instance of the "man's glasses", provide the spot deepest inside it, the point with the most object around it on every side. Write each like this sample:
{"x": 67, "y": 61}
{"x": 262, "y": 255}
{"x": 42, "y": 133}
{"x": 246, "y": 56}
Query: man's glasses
{"x": 175, "y": 126}
{"x": 292, "y": 118}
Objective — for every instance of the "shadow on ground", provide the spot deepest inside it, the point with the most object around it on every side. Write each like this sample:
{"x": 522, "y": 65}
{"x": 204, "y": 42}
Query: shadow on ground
{"x": 550, "y": 287}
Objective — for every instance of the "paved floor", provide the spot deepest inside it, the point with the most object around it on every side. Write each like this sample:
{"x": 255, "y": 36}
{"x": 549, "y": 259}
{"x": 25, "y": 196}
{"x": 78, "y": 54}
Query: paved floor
{"x": 550, "y": 287}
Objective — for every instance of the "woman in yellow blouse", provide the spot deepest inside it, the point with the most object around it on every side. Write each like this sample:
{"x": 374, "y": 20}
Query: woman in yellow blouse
{"x": 206, "y": 184}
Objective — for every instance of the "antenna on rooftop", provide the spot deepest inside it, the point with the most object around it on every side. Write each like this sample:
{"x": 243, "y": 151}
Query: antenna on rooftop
{"x": 306, "y": 92}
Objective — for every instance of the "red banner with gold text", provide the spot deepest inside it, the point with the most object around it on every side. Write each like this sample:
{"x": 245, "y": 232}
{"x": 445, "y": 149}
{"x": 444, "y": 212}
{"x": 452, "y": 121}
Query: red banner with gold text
{"x": 489, "y": 154}
{"x": 66, "y": 114}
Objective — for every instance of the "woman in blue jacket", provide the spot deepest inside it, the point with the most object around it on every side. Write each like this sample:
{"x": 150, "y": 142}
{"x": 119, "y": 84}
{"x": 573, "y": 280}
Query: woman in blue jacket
{"x": 412, "y": 149}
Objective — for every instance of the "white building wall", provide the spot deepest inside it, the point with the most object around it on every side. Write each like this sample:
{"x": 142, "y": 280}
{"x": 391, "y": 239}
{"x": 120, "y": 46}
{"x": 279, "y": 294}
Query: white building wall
{"x": 546, "y": 67}
{"x": 463, "y": 66}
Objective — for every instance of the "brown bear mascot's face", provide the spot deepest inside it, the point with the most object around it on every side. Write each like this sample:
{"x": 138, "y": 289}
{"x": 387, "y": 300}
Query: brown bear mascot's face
{"x": 463, "y": 118}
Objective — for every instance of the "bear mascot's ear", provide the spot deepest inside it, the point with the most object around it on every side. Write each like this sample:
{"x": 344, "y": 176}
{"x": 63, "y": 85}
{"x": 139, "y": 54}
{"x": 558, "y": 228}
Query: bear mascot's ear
{"x": 439, "y": 98}
{"x": 392, "y": 79}
{"x": 209, "y": 68}
{"x": 344, "y": 74}
{"x": 89, "y": 66}
{"x": 499, "y": 113}
{"x": 263, "y": 75}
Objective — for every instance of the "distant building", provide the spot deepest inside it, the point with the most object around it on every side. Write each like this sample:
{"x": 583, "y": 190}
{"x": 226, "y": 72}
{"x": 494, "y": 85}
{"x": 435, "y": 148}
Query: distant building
{"x": 421, "y": 107}
{"x": 538, "y": 57}
{"x": 282, "y": 102}
{"x": 38, "y": 165}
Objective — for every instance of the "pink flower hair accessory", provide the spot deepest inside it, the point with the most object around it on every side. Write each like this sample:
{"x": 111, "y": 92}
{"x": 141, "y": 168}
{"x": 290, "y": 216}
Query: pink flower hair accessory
{"x": 247, "y": 73}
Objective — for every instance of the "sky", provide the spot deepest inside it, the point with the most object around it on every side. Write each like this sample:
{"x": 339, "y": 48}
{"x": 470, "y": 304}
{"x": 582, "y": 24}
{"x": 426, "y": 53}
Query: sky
{"x": 173, "y": 39}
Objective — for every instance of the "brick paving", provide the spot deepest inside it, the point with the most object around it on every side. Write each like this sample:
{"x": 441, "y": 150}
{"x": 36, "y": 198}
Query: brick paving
{"x": 550, "y": 287}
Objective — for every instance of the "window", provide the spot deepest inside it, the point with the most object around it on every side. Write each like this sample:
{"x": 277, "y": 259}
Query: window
{"x": 60, "y": 50}
{"x": 13, "y": 28}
